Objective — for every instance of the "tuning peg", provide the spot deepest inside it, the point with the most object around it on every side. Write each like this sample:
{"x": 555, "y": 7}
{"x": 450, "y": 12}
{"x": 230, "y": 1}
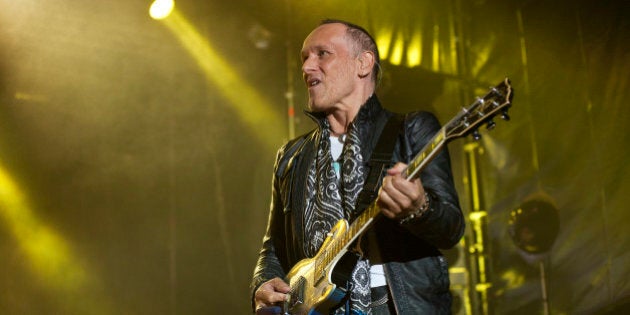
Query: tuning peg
{"x": 476, "y": 135}
{"x": 490, "y": 124}
{"x": 505, "y": 115}
{"x": 496, "y": 91}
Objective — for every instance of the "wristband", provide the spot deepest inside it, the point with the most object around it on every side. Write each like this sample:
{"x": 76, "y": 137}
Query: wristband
{"x": 418, "y": 213}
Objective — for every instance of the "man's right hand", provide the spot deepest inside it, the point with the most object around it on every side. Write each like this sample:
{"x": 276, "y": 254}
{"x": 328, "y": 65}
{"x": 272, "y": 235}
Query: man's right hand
{"x": 271, "y": 293}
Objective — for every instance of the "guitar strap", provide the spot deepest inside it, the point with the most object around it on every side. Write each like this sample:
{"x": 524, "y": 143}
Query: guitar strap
{"x": 380, "y": 161}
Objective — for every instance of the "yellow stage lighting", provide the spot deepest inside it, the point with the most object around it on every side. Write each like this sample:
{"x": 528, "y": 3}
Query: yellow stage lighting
{"x": 160, "y": 9}
{"x": 383, "y": 40}
{"x": 414, "y": 51}
{"x": 435, "y": 65}
{"x": 397, "y": 51}
{"x": 50, "y": 257}
{"x": 252, "y": 107}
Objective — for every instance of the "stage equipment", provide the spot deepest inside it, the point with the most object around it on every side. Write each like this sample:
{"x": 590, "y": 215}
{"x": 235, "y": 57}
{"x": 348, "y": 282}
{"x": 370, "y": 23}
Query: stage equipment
{"x": 161, "y": 9}
{"x": 534, "y": 226}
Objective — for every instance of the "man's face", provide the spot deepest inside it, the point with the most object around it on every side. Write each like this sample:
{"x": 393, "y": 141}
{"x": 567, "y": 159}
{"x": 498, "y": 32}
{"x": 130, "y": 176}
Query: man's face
{"x": 329, "y": 67}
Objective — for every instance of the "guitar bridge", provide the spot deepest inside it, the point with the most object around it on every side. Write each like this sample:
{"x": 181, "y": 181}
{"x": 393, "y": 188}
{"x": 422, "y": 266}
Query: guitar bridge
{"x": 297, "y": 293}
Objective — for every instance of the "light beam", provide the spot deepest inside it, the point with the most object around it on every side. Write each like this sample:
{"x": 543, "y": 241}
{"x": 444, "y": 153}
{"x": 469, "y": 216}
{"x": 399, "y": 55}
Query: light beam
{"x": 50, "y": 257}
{"x": 255, "y": 111}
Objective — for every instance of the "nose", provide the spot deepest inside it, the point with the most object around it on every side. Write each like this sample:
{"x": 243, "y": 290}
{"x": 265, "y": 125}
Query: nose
{"x": 308, "y": 65}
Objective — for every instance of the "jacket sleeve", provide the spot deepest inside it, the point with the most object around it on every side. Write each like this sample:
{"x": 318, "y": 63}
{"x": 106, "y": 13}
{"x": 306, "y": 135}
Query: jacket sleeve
{"x": 268, "y": 265}
{"x": 443, "y": 225}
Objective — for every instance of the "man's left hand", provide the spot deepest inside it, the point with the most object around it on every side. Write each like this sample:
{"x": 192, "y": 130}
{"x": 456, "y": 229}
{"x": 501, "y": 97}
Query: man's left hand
{"x": 399, "y": 197}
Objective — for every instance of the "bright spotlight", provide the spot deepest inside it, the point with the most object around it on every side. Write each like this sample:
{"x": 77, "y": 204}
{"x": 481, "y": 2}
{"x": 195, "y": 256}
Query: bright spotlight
{"x": 160, "y": 9}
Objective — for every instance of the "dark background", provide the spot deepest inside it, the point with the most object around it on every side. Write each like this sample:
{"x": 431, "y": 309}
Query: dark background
{"x": 134, "y": 176}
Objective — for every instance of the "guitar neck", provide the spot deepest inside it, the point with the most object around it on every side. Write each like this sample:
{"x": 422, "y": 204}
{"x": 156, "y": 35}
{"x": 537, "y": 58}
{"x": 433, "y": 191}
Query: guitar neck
{"x": 419, "y": 162}
{"x": 430, "y": 150}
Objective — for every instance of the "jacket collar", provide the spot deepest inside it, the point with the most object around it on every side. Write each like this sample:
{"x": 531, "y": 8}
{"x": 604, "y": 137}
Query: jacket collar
{"x": 369, "y": 110}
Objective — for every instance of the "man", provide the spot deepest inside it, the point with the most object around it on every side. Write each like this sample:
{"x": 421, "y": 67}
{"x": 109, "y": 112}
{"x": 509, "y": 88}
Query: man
{"x": 318, "y": 176}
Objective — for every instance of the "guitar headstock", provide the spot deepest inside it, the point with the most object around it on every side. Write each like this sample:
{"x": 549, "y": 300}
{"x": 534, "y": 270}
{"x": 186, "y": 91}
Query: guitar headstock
{"x": 482, "y": 111}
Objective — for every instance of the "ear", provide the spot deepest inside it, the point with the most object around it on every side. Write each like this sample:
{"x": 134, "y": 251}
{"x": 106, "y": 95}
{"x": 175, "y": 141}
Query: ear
{"x": 366, "y": 63}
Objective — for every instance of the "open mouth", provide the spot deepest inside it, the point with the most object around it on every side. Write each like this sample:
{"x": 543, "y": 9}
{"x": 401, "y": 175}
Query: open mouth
{"x": 313, "y": 82}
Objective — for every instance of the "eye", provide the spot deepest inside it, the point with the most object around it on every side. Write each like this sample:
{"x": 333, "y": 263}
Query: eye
{"x": 323, "y": 53}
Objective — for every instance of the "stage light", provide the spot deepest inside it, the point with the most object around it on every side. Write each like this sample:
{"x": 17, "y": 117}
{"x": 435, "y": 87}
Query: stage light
{"x": 534, "y": 225}
{"x": 397, "y": 50}
{"x": 383, "y": 40}
{"x": 414, "y": 50}
{"x": 160, "y": 9}
{"x": 435, "y": 64}
{"x": 259, "y": 36}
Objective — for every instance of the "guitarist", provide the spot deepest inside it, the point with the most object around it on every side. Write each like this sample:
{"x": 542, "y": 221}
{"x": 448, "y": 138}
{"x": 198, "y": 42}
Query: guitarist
{"x": 318, "y": 176}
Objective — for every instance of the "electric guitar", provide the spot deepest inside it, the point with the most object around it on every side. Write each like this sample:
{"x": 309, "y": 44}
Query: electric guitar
{"x": 317, "y": 284}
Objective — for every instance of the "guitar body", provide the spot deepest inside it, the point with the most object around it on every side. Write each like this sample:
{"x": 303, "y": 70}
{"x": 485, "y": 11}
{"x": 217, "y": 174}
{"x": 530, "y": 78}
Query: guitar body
{"x": 318, "y": 289}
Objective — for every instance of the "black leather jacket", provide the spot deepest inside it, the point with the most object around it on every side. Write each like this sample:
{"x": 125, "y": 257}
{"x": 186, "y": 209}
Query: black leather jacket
{"x": 416, "y": 272}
